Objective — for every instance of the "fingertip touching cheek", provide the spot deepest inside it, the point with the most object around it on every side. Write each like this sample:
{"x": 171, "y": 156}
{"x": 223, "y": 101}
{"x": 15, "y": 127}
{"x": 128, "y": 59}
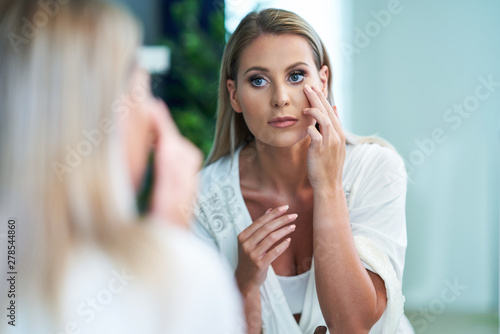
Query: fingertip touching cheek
{"x": 269, "y": 91}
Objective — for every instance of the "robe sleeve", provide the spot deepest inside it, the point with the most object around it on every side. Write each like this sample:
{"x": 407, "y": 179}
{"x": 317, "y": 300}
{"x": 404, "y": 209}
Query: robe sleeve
{"x": 378, "y": 221}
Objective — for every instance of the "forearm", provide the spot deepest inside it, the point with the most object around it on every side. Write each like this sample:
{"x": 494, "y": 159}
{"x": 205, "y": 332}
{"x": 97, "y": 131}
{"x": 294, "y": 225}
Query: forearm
{"x": 252, "y": 306}
{"x": 346, "y": 293}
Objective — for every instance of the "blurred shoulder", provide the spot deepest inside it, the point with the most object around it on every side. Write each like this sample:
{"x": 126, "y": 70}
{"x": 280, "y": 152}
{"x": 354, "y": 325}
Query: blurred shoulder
{"x": 204, "y": 278}
{"x": 193, "y": 256}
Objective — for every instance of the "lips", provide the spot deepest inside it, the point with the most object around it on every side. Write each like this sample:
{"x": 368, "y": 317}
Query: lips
{"x": 282, "y": 122}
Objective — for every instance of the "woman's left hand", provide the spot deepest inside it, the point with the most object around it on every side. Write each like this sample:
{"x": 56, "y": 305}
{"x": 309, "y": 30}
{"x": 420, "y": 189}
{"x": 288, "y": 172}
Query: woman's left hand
{"x": 326, "y": 154}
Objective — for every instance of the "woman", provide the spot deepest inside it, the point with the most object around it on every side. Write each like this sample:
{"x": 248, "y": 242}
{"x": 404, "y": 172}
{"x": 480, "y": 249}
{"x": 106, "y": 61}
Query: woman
{"x": 77, "y": 122}
{"x": 311, "y": 218}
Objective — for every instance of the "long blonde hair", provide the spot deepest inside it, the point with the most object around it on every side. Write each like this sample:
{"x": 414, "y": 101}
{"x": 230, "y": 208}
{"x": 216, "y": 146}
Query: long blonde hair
{"x": 61, "y": 80}
{"x": 231, "y": 130}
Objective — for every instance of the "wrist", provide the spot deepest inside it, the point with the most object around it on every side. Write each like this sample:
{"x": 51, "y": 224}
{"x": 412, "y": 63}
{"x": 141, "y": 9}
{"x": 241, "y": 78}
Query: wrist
{"x": 246, "y": 290}
{"x": 329, "y": 190}
{"x": 249, "y": 291}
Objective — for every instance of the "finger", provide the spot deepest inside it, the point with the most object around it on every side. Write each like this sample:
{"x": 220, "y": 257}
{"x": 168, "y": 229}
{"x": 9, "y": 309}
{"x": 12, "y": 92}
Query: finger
{"x": 266, "y": 229}
{"x": 264, "y": 246}
{"x": 168, "y": 120}
{"x": 335, "y": 118}
{"x": 323, "y": 99}
{"x": 162, "y": 124}
{"x": 313, "y": 98}
{"x": 192, "y": 155}
{"x": 325, "y": 124}
{"x": 275, "y": 252}
{"x": 316, "y": 138}
{"x": 268, "y": 216}
{"x": 336, "y": 121}
{"x": 331, "y": 112}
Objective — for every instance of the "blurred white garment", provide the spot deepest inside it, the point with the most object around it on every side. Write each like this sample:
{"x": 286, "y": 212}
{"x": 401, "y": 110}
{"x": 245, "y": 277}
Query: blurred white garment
{"x": 199, "y": 296}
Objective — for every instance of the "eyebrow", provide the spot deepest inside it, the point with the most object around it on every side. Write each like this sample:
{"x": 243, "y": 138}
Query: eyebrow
{"x": 263, "y": 69}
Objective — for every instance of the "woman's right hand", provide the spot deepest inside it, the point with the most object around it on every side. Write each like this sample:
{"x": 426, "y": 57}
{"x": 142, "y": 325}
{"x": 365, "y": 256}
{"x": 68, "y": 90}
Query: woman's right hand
{"x": 258, "y": 247}
{"x": 147, "y": 124}
{"x": 177, "y": 163}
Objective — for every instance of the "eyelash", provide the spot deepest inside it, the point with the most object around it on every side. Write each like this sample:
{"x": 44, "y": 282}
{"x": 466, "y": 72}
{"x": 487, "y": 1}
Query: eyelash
{"x": 253, "y": 78}
{"x": 298, "y": 72}
{"x": 256, "y": 77}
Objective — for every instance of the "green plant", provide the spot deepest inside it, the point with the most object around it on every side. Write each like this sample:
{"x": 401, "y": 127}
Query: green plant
{"x": 190, "y": 88}
{"x": 191, "y": 85}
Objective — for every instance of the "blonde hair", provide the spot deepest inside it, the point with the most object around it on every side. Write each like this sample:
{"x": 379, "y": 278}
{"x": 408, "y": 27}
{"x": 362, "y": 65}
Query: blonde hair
{"x": 231, "y": 130}
{"x": 60, "y": 81}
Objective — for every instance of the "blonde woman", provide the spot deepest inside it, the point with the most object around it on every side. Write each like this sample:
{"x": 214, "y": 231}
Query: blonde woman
{"x": 311, "y": 218}
{"x": 77, "y": 121}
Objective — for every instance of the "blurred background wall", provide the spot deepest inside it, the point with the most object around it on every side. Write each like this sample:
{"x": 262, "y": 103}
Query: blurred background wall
{"x": 426, "y": 76}
{"x": 423, "y": 74}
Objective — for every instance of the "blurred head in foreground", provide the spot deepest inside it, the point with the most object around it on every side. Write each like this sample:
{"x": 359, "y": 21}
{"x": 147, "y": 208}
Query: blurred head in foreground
{"x": 75, "y": 133}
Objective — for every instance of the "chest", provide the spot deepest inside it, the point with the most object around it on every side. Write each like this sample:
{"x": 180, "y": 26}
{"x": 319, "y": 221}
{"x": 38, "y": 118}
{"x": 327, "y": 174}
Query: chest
{"x": 298, "y": 256}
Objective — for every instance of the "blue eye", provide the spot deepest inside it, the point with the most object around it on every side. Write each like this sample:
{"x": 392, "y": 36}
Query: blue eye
{"x": 296, "y": 76}
{"x": 257, "y": 81}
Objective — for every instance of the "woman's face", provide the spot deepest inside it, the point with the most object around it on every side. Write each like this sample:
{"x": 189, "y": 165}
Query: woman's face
{"x": 269, "y": 90}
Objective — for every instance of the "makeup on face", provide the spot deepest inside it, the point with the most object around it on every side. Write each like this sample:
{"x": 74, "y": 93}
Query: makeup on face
{"x": 283, "y": 122}
{"x": 260, "y": 77}
{"x": 270, "y": 88}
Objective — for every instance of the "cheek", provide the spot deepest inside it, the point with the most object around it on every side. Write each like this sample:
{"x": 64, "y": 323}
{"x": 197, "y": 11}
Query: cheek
{"x": 252, "y": 104}
{"x": 299, "y": 98}
{"x": 313, "y": 79}
{"x": 254, "y": 113}
{"x": 138, "y": 127}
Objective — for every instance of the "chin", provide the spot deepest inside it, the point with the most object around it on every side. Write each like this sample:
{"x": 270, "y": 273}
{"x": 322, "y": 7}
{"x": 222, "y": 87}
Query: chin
{"x": 282, "y": 139}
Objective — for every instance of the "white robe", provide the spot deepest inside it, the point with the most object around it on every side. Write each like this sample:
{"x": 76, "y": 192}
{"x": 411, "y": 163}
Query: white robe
{"x": 100, "y": 296}
{"x": 374, "y": 181}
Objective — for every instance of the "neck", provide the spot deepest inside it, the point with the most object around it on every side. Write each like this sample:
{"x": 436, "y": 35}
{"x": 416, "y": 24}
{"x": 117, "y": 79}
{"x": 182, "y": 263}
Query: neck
{"x": 282, "y": 169}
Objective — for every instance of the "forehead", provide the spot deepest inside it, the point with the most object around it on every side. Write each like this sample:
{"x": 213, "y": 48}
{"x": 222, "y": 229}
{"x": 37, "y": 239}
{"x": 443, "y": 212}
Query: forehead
{"x": 276, "y": 52}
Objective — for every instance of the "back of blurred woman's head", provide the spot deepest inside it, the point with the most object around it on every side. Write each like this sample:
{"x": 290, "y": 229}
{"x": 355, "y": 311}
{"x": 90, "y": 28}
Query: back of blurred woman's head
{"x": 64, "y": 80}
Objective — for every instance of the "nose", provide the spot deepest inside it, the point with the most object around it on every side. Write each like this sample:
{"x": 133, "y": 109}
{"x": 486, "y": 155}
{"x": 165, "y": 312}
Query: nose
{"x": 280, "y": 97}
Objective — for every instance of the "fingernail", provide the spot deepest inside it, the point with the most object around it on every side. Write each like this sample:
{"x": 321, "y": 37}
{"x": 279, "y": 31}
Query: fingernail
{"x": 292, "y": 227}
{"x": 308, "y": 88}
{"x": 283, "y": 208}
{"x": 269, "y": 210}
{"x": 293, "y": 216}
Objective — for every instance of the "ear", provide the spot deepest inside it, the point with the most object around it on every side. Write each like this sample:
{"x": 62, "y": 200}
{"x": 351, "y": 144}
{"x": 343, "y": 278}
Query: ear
{"x": 324, "y": 74}
{"x": 233, "y": 97}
